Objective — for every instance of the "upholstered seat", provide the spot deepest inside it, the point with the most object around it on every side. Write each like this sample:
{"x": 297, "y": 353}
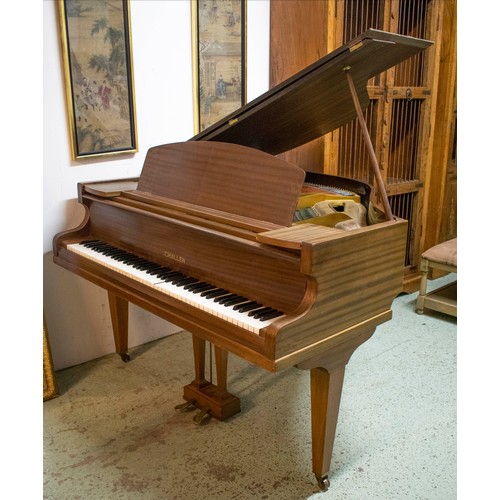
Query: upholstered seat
{"x": 444, "y": 299}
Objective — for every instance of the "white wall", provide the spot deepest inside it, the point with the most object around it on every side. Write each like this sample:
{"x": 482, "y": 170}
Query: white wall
{"x": 76, "y": 311}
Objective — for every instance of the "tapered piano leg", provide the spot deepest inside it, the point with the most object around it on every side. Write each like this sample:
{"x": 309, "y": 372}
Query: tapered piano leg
{"x": 214, "y": 399}
{"x": 326, "y": 390}
{"x": 327, "y": 378}
{"x": 118, "y": 308}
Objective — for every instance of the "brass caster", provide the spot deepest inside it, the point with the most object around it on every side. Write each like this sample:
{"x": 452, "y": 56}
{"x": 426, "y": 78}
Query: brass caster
{"x": 323, "y": 482}
{"x": 202, "y": 416}
{"x": 185, "y": 406}
{"x": 125, "y": 357}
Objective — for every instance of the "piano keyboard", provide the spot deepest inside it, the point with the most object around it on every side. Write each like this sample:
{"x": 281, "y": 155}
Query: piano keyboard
{"x": 219, "y": 302}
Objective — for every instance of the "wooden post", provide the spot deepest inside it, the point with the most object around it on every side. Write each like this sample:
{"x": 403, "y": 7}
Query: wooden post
{"x": 118, "y": 307}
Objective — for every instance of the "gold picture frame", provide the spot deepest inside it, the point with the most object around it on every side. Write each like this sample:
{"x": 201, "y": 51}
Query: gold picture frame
{"x": 219, "y": 59}
{"x": 98, "y": 70}
{"x": 49, "y": 381}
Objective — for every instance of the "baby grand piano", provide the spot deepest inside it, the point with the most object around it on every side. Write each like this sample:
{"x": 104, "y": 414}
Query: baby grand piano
{"x": 207, "y": 239}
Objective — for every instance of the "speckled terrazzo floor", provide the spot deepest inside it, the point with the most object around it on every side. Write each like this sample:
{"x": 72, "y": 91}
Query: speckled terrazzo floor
{"x": 113, "y": 432}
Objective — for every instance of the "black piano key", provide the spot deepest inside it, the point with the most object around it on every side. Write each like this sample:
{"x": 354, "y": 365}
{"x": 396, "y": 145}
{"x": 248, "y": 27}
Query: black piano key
{"x": 93, "y": 243}
{"x": 166, "y": 272}
{"x": 178, "y": 279}
{"x": 195, "y": 286}
{"x": 270, "y": 315}
{"x": 132, "y": 258}
{"x": 146, "y": 265}
{"x": 100, "y": 248}
{"x": 171, "y": 277}
{"x": 112, "y": 251}
{"x": 160, "y": 269}
{"x": 199, "y": 287}
{"x": 185, "y": 281}
{"x": 119, "y": 257}
{"x": 236, "y": 300}
{"x": 140, "y": 263}
{"x": 116, "y": 256}
{"x": 168, "y": 276}
{"x": 247, "y": 307}
{"x": 214, "y": 293}
{"x": 151, "y": 265}
{"x": 208, "y": 288}
{"x": 221, "y": 298}
{"x": 264, "y": 312}
{"x": 161, "y": 272}
{"x": 153, "y": 269}
{"x": 122, "y": 257}
{"x": 128, "y": 258}
{"x": 257, "y": 312}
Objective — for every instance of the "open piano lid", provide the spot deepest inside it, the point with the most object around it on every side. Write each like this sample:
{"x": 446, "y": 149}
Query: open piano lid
{"x": 316, "y": 100}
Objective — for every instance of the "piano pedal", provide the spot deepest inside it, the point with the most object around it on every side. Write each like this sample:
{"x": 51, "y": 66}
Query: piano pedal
{"x": 185, "y": 406}
{"x": 202, "y": 416}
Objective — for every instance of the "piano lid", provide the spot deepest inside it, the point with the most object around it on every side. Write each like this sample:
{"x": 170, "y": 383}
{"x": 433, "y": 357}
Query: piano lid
{"x": 316, "y": 100}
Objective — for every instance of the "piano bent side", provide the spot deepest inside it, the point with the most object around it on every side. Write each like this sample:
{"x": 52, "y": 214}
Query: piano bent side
{"x": 357, "y": 275}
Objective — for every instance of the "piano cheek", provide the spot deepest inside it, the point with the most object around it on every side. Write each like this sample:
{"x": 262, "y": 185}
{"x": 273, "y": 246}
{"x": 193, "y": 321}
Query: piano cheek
{"x": 296, "y": 320}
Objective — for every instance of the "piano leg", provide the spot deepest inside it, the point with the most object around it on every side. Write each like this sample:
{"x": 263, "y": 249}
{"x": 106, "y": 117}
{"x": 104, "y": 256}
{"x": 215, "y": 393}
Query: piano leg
{"x": 199, "y": 363}
{"x": 327, "y": 378}
{"x": 206, "y": 396}
{"x": 118, "y": 308}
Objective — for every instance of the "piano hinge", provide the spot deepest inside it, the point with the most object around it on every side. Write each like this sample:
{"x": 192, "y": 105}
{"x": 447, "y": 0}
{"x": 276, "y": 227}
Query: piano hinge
{"x": 356, "y": 46}
{"x": 233, "y": 121}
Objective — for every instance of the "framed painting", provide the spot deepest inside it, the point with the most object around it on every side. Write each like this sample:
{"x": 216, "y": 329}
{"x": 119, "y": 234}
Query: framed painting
{"x": 97, "y": 61}
{"x": 219, "y": 55}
